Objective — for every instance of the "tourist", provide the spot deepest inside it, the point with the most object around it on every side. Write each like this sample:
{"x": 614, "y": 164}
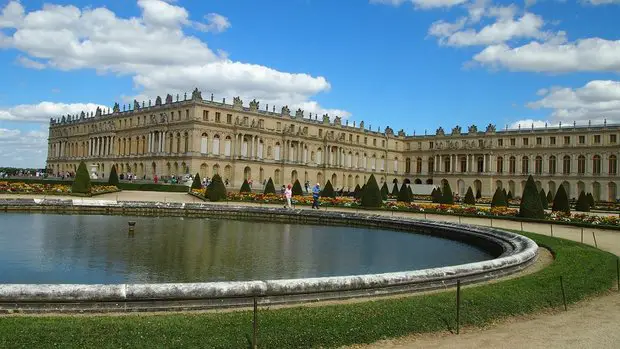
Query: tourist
{"x": 288, "y": 193}
{"x": 155, "y": 179}
{"x": 315, "y": 196}
{"x": 307, "y": 185}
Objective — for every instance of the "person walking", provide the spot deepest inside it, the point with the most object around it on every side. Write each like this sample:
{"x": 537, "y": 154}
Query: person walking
{"x": 288, "y": 193}
{"x": 315, "y": 196}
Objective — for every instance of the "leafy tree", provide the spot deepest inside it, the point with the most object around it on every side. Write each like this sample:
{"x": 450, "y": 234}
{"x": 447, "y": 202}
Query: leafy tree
{"x": 328, "y": 191}
{"x": 583, "y": 204}
{"x": 297, "y": 188}
{"x": 245, "y": 187}
{"x": 403, "y": 194}
{"x": 269, "y": 187}
{"x": 531, "y": 206}
{"x": 371, "y": 196}
{"x": 395, "y": 190}
{"x": 499, "y": 198}
{"x": 469, "y": 197}
{"x": 549, "y": 198}
{"x": 384, "y": 191}
{"x": 113, "y": 177}
{"x": 591, "y": 200}
{"x": 436, "y": 195}
{"x": 81, "y": 184}
{"x": 560, "y": 201}
{"x": 478, "y": 194}
{"x": 216, "y": 190}
{"x": 543, "y": 199}
{"x": 196, "y": 184}
{"x": 446, "y": 194}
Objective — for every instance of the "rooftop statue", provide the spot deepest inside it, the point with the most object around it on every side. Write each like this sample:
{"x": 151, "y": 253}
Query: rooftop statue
{"x": 237, "y": 103}
{"x": 490, "y": 128}
{"x": 136, "y": 105}
{"x": 325, "y": 119}
{"x": 337, "y": 120}
{"x": 254, "y": 105}
{"x": 456, "y": 130}
{"x": 98, "y": 112}
{"x": 299, "y": 113}
{"x": 286, "y": 111}
{"x": 158, "y": 101}
{"x": 168, "y": 98}
{"x": 440, "y": 132}
{"x": 116, "y": 108}
{"x": 389, "y": 131}
{"x": 196, "y": 95}
{"x": 472, "y": 129}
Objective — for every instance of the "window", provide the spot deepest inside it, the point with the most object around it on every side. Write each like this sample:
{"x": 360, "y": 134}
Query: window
{"x": 500, "y": 142}
{"x": 538, "y": 165}
{"x": 292, "y": 128}
{"x": 205, "y": 115}
{"x": 500, "y": 164}
{"x": 612, "y": 139}
{"x": 431, "y": 165}
{"x": 374, "y": 142}
{"x": 383, "y": 143}
{"x": 407, "y": 165}
{"x": 552, "y": 140}
{"x": 525, "y": 165}
{"x": 581, "y": 164}
{"x": 566, "y": 165}
{"x": 350, "y": 138}
{"x": 278, "y": 126}
{"x": 446, "y": 164}
{"x": 582, "y": 139}
{"x": 365, "y": 140}
{"x": 513, "y": 142}
{"x": 480, "y": 163}
{"x": 430, "y": 145}
{"x": 463, "y": 161}
{"x": 418, "y": 165}
{"x": 613, "y": 164}
{"x": 357, "y": 139}
{"x": 597, "y": 139}
{"x": 526, "y": 141}
{"x": 186, "y": 114}
{"x": 218, "y": 117}
{"x": 229, "y": 118}
{"x": 320, "y": 133}
{"x": 552, "y": 164}
{"x": 566, "y": 140}
{"x": 596, "y": 164}
{"x": 512, "y": 165}
{"x": 538, "y": 140}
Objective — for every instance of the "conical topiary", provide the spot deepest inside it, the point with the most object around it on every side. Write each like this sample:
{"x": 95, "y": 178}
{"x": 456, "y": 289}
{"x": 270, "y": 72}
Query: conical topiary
{"x": 395, "y": 190}
{"x": 446, "y": 194}
{"x": 499, "y": 198}
{"x": 509, "y": 196}
{"x": 328, "y": 191}
{"x": 357, "y": 193}
{"x": 410, "y": 192}
{"x": 403, "y": 194}
{"x": 384, "y": 191}
{"x": 297, "y": 188}
{"x": 216, "y": 190}
{"x": 269, "y": 187}
{"x": 531, "y": 207}
{"x": 583, "y": 204}
{"x": 371, "y": 196}
{"x": 436, "y": 195}
{"x": 478, "y": 194}
{"x": 543, "y": 199}
{"x": 196, "y": 184}
{"x": 549, "y": 197}
{"x": 590, "y": 200}
{"x": 245, "y": 187}
{"x": 113, "y": 177}
{"x": 560, "y": 201}
{"x": 81, "y": 184}
{"x": 469, "y": 197}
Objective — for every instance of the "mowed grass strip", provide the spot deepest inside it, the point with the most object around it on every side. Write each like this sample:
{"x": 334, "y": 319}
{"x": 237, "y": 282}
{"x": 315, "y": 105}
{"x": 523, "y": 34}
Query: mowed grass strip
{"x": 586, "y": 271}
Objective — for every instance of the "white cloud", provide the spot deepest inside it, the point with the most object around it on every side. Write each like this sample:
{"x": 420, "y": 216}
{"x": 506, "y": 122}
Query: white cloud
{"x": 528, "y": 123}
{"x": 30, "y": 63}
{"x": 422, "y": 4}
{"x": 596, "y": 101}
{"x": 593, "y": 54}
{"x": 42, "y": 112}
{"x": 23, "y": 148}
{"x": 216, "y": 23}
{"x": 600, "y": 2}
{"x": 11, "y": 15}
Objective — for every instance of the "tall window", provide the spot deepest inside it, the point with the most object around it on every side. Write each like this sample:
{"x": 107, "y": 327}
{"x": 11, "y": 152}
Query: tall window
{"x": 581, "y": 164}
{"x": 538, "y": 165}
{"x": 216, "y": 145}
{"x": 500, "y": 164}
{"x": 525, "y": 165}
{"x": 552, "y": 164}
{"x": 613, "y": 164}
{"x": 446, "y": 164}
{"x": 596, "y": 164}
{"x": 566, "y": 164}
{"x": 512, "y": 165}
{"x": 463, "y": 161}
{"x": 276, "y": 152}
{"x": 418, "y": 165}
{"x": 407, "y": 165}
{"x": 431, "y": 165}
{"x": 480, "y": 163}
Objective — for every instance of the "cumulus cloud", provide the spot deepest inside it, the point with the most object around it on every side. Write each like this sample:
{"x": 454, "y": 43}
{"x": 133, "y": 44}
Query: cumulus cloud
{"x": 42, "y": 112}
{"x": 30, "y": 63}
{"x": 216, "y": 23}
{"x": 23, "y": 148}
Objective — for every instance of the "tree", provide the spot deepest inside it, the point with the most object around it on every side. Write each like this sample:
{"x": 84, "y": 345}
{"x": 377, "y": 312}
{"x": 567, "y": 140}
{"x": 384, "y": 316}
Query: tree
{"x": 509, "y": 196}
{"x": 81, "y": 184}
{"x": 403, "y": 194}
{"x": 436, "y": 195}
{"x": 543, "y": 199}
{"x": 197, "y": 183}
{"x": 371, "y": 196}
{"x": 113, "y": 177}
{"x": 499, "y": 198}
{"x": 410, "y": 192}
{"x": 328, "y": 191}
{"x": 469, "y": 197}
{"x": 531, "y": 207}
{"x": 216, "y": 190}
{"x": 583, "y": 204}
{"x": 395, "y": 190}
{"x": 357, "y": 193}
{"x": 384, "y": 191}
{"x": 446, "y": 194}
{"x": 245, "y": 187}
{"x": 591, "y": 200}
{"x": 269, "y": 187}
{"x": 297, "y": 188}
{"x": 478, "y": 194}
{"x": 560, "y": 201}
{"x": 549, "y": 197}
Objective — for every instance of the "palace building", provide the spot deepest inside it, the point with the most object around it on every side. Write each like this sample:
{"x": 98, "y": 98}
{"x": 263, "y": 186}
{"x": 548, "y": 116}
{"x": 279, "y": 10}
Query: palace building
{"x": 192, "y": 135}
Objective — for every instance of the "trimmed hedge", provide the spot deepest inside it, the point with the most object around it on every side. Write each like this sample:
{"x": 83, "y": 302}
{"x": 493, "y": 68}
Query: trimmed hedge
{"x": 531, "y": 207}
{"x": 469, "y": 197}
{"x": 328, "y": 191}
{"x": 404, "y": 195}
{"x": 499, "y": 198}
{"x": 560, "y": 201}
{"x": 297, "y": 188}
{"x": 197, "y": 182}
{"x": 583, "y": 204}
{"x": 245, "y": 187}
{"x": 371, "y": 196}
{"x": 543, "y": 199}
{"x": 113, "y": 177}
{"x": 216, "y": 190}
{"x": 269, "y": 187}
{"x": 446, "y": 194}
{"x": 81, "y": 184}
{"x": 395, "y": 190}
{"x": 384, "y": 191}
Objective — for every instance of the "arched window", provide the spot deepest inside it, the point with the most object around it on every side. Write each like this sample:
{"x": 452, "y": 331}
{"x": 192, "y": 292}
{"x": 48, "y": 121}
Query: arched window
{"x": 216, "y": 145}
{"x": 276, "y": 151}
{"x": 613, "y": 164}
{"x": 319, "y": 156}
{"x": 446, "y": 164}
{"x": 395, "y": 165}
{"x": 538, "y": 165}
{"x": 418, "y": 165}
{"x": 500, "y": 164}
{"x": 431, "y": 165}
{"x": 186, "y": 146}
{"x": 552, "y": 165}
{"x": 203, "y": 143}
{"x": 259, "y": 149}
{"x": 227, "y": 146}
{"x": 566, "y": 165}
{"x": 480, "y": 163}
{"x": 596, "y": 164}
{"x": 525, "y": 165}
{"x": 463, "y": 163}
{"x": 512, "y": 165}
{"x": 581, "y": 164}
{"x": 407, "y": 165}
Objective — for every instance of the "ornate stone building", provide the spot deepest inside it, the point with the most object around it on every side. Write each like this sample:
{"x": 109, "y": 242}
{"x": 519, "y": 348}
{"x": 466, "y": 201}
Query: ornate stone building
{"x": 189, "y": 135}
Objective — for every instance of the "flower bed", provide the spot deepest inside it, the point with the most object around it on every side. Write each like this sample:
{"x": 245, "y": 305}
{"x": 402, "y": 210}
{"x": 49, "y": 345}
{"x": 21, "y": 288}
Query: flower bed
{"x": 49, "y": 189}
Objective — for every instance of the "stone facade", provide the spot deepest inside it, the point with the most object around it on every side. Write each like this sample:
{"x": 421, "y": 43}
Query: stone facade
{"x": 189, "y": 134}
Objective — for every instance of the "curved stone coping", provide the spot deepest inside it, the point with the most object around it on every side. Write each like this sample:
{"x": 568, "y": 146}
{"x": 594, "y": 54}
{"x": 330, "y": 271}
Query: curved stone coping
{"x": 514, "y": 252}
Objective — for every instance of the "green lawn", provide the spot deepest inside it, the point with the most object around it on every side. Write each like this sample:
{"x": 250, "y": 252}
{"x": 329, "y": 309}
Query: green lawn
{"x": 586, "y": 272}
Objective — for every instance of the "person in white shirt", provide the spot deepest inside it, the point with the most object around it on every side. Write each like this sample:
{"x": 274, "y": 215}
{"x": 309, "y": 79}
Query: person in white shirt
{"x": 288, "y": 193}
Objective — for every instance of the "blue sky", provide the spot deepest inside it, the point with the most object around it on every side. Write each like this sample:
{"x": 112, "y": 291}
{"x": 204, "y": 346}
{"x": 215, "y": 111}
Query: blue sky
{"x": 411, "y": 64}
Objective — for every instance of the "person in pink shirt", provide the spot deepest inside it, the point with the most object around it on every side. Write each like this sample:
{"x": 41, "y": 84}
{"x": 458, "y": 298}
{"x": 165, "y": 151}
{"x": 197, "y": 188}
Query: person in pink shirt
{"x": 288, "y": 193}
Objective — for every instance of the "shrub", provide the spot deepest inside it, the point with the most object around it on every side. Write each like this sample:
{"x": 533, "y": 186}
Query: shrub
{"x": 297, "y": 190}
{"x": 357, "y": 193}
{"x": 509, "y": 196}
{"x": 543, "y": 199}
{"x": 403, "y": 194}
{"x": 446, "y": 194}
{"x": 328, "y": 191}
{"x": 583, "y": 204}
{"x": 469, "y": 197}
{"x": 81, "y": 184}
{"x": 395, "y": 190}
{"x": 436, "y": 195}
{"x": 216, "y": 190}
{"x": 245, "y": 187}
{"x": 531, "y": 207}
{"x": 197, "y": 183}
{"x": 113, "y": 177}
{"x": 549, "y": 198}
{"x": 590, "y": 200}
{"x": 499, "y": 198}
{"x": 478, "y": 194}
{"x": 371, "y": 196}
{"x": 384, "y": 191}
{"x": 410, "y": 192}
{"x": 560, "y": 201}
{"x": 269, "y": 187}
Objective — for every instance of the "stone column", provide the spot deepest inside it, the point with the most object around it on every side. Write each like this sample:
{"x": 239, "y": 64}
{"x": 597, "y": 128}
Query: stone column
{"x": 90, "y": 146}
{"x": 163, "y": 142}
{"x": 484, "y": 163}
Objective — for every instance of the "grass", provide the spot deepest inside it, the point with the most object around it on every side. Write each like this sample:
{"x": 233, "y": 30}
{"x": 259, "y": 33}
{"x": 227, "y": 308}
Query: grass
{"x": 586, "y": 272}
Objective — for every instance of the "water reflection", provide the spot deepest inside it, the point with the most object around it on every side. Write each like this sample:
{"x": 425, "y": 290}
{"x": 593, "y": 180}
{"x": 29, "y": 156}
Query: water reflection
{"x": 45, "y": 248}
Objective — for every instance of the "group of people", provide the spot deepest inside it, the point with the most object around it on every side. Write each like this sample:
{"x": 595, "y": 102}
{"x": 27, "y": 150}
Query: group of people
{"x": 288, "y": 194}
